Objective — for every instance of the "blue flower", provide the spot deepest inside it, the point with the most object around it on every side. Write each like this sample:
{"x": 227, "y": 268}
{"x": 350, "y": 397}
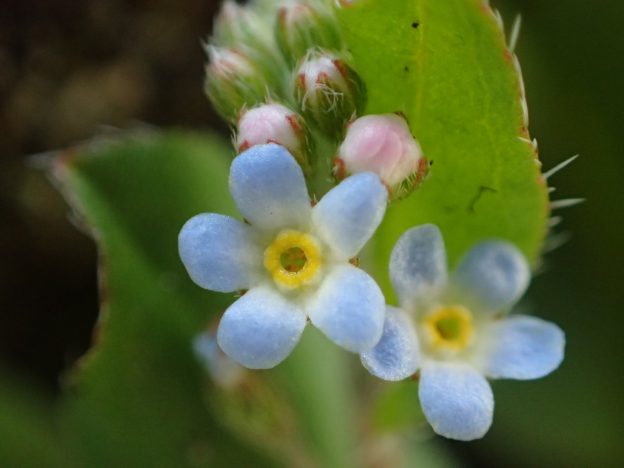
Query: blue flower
{"x": 291, "y": 257}
{"x": 454, "y": 331}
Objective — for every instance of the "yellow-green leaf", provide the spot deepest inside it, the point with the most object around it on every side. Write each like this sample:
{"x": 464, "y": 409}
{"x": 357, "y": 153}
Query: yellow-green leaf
{"x": 446, "y": 66}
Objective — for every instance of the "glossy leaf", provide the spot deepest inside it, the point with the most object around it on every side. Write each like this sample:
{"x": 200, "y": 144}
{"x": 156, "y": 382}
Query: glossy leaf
{"x": 445, "y": 65}
{"x": 137, "y": 396}
{"x": 28, "y": 430}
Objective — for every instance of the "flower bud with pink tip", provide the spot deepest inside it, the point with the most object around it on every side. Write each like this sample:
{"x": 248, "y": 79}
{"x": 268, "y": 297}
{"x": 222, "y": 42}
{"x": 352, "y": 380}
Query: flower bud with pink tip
{"x": 249, "y": 30}
{"x": 329, "y": 92}
{"x": 232, "y": 82}
{"x": 301, "y": 26}
{"x": 384, "y": 145}
{"x": 274, "y": 123}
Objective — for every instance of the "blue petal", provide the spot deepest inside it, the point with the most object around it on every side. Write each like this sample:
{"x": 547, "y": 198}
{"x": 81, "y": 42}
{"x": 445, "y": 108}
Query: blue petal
{"x": 523, "y": 347}
{"x": 347, "y": 216}
{"x": 456, "y": 399}
{"x": 269, "y": 188}
{"x": 418, "y": 264}
{"x": 218, "y": 252}
{"x": 396, "y": 356}
{"x": 260, "y": 329}
{"x": 349, "y": 308}
{"x": 492, "y": 276}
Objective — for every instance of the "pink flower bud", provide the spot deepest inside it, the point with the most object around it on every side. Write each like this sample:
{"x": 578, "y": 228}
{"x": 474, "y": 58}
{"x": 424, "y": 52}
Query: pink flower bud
{"x": 384, "y": 145}
{"x": 274, "y": 123}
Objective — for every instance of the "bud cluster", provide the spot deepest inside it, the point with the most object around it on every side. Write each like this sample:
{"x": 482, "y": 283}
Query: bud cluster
{"x": 279, "y": 72}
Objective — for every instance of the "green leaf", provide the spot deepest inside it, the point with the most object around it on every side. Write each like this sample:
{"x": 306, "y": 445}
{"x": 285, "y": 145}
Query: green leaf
{"x": 318, "y": 379}
{"x": 305, "y": 411}
{"x": 28, "y": 431}
{"x": 446, "y": 66}
{"x": 137, "y": 398}
{"x": 140, "y": 394}
{"x": 398, "y": 406}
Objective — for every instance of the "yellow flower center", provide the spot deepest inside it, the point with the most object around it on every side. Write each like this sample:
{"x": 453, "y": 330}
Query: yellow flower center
{"x": 293, "y": 259}
{"x": 449, "y": 328}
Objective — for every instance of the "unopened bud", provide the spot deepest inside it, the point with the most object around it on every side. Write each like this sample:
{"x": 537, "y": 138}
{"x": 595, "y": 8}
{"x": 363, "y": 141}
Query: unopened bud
{"x": 301, "y": 26}
{"x": 249, "y": 30}
{"x": 233, "y": 81}
{"x": 328, "y": 91}
{"x": 243, "y": 26}
{"x": 274, "y": 123}
{"x": 230, "y": 24}
{"x": 384, "y": 145}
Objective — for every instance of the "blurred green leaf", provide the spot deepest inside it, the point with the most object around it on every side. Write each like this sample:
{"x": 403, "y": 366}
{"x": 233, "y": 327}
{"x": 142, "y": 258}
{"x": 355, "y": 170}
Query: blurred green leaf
{"x": 318, "y": 380}
{"x": 446, "y": 66}
{"x": 137, "y": 398}
{"x": 429, "y": 454}
{"x": 28, "y": 433}
{"x": 398, "y": 406}
{"x": 305, "y": 411}
{"x": 139, "y": 393}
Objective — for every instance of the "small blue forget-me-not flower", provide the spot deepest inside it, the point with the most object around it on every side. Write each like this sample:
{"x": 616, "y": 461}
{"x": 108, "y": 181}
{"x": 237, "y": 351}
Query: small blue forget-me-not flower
{"x": 453, "y": 331}
{"x": 291, "y": 257}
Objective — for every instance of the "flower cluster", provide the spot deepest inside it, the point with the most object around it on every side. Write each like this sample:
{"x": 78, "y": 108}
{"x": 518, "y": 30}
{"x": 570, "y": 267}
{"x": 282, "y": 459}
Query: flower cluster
{"x": 292, "y": 260}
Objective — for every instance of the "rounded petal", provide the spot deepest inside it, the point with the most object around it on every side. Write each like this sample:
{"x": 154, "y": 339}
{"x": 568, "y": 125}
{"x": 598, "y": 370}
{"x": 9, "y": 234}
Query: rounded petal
{"x": 523, "y": 348}
{"x": 349, "y": 308}
{"x": 260, "y": 329}
{"x": 269, "y": 188}
{"x": 396, "y": 356}
{"x": 347, "y": 216}
{"x": 218, "y": 252}
{"x": 456, "y": 399}
{"x": 493, "y": 275}
{"x": 418, "y": 263}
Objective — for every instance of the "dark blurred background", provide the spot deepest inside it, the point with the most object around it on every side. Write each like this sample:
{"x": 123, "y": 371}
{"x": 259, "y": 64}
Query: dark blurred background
{"x": 69, "y": 68}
